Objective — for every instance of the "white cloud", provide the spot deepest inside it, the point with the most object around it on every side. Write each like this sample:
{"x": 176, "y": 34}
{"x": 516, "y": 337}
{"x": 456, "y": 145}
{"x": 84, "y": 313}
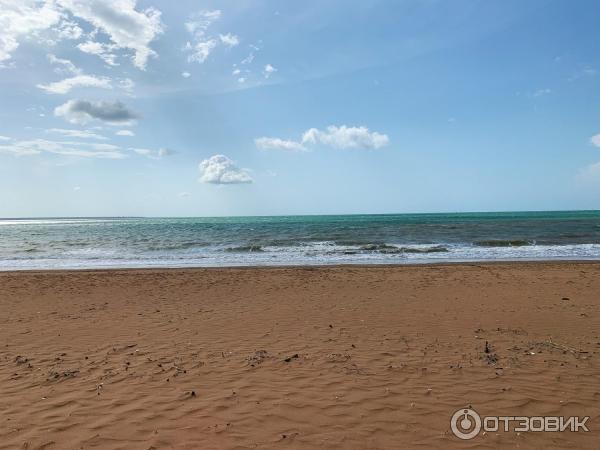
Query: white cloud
{"x": 186, "y": 74}
{"x": 219, "y": 169}
{"x": 201, "y": 20}
{"x": 342, "y": 137}
{"x": 67, "y": 65}
{"x": 69, "y": 30}
{"x": 4, "y": 138}
{"x": 80, "y": 149}
{"x": 230, "y": 40}
{"x": 84, "y": 111}
{"x": 77, "y": 188}
{"x": 23, "y": 18}
{"x": 248, "y": 59}
{"x": 202, "y": 45}
{"x": 83, "y": 134}
{"x": 346, "y": 137}
{"x": 266, "y": 143}
{"x": 241, "y": 80}
{"x": 152, "y": 154}
{"x": 236, "y": 72}
{"x": 64, "y": 86}
{"x": 127, "y": 85}
{"x": 269, "y": 70}
{"x": 200, "y": 51}
{"x": 542, "y": 92}
{"x": 184, "y": 194}
{"x": 126, "y": 27}
{"x": 595, "y": 140}
{"x": 104, "y": 51}
{"x": 125, "y": 133}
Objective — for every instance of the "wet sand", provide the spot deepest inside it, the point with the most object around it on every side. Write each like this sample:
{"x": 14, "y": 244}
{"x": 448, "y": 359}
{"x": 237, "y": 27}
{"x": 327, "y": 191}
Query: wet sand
{"x": 334, "y": 357}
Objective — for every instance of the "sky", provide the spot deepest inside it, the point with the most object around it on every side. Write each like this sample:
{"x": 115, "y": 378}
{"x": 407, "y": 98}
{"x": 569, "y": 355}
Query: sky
{"x": 257, "y": 107}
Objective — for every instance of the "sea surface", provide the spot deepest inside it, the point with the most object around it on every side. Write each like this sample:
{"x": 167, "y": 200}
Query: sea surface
{"x": 303, "y": 240}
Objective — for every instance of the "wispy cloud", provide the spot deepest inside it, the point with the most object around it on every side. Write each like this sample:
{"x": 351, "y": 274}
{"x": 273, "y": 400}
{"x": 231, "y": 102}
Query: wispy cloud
{"x": 266, "y": 143}
{"x": 65, "y": 86}
{"x": 152, "y": 154}
{"x": 83, "y": 134}
{"x": 229, "y": 40}
{"x": 79, "y": 149}
{"x": 201, "y": 46}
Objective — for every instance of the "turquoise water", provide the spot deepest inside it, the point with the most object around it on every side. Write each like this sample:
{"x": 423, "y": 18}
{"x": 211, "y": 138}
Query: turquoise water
{"x": 282, "y": 240}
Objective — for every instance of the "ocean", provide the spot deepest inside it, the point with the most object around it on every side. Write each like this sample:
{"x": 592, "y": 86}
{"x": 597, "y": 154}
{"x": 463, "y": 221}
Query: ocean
{"x": 297, "y": 240}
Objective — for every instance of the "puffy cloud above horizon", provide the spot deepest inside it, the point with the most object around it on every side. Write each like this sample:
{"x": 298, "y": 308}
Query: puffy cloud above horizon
{"x": 84, "y": 111}
{"x": 340, "y": 137}
{"x": 346, "y": 137}
{"x": 219, "y": 169}
{"x": 595, "y": 140}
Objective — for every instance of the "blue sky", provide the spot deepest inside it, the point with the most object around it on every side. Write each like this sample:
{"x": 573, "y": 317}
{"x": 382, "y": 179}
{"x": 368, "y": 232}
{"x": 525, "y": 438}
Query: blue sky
{"x": 195, "y": 108}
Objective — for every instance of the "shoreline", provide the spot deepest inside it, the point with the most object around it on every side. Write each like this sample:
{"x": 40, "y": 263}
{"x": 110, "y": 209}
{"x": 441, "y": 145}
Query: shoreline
{"x": 311, "y": 266}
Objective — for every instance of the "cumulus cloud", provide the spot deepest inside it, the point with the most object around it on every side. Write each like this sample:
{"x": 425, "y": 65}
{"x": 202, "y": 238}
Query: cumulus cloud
{"x": 229, "y": 40}
{"x": 346, "y": 137}
{"x": 21, "y": 18}
{"x": 84, "y": 111}
{"x": 83, "y": 134}
{"x": 126, "y": 27}
{"x": 341, "y": 137}
{"x": 64, "y": 86}
{"x": 80, "y": 149}
{"x": 186, "y": 74}
{"x": 269, "y": 70}
{"x": 266, "y": 143}
{"x": 125, "y": 133}
{"x": 595, "y": 140}
{"x": 219, "y": 169}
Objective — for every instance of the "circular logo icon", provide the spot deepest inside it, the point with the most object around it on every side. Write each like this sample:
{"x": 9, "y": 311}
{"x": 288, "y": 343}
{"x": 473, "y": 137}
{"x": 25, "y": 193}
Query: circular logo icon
{"x": 465, "y": 423}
